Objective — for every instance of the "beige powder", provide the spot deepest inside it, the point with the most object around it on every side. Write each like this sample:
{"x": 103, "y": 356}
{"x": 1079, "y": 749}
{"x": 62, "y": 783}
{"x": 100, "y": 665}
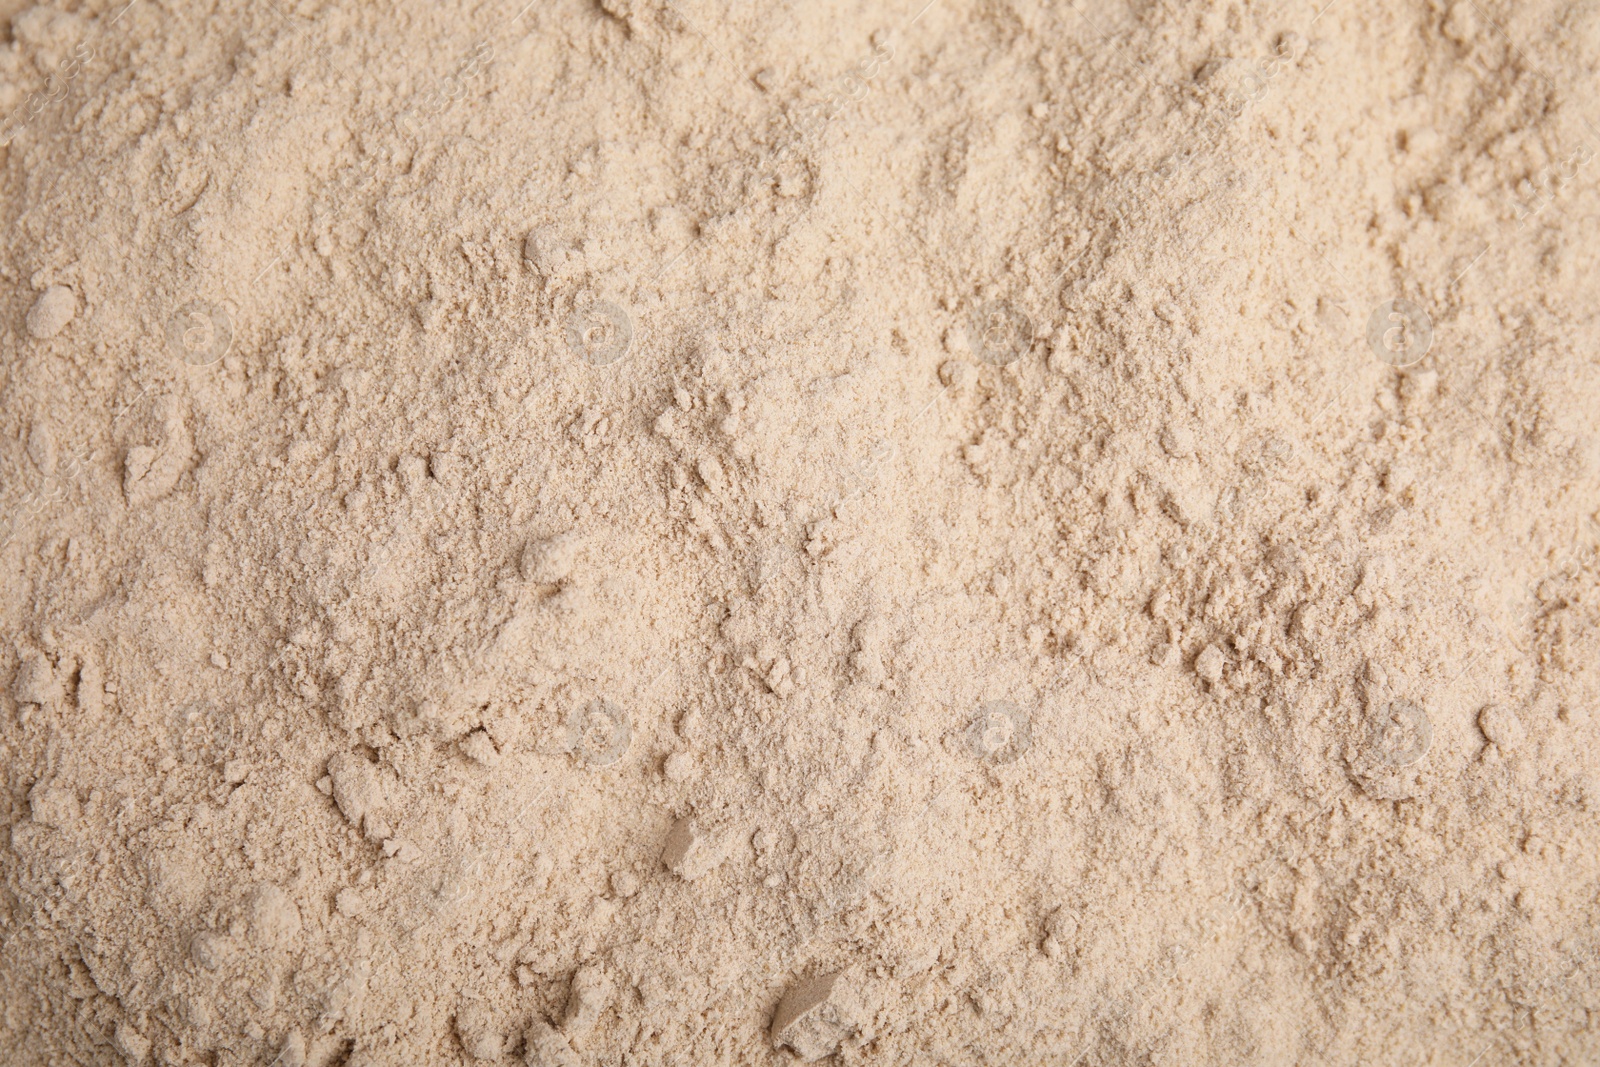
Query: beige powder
{"x": 663, "y": 533}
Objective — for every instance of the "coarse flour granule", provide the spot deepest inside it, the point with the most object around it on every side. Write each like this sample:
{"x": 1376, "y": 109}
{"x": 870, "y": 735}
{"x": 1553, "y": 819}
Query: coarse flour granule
{"x": 664, "y": 532}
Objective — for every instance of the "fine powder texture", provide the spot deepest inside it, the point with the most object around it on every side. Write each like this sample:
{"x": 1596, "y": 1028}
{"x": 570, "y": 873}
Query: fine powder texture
{"x": 665, "y": 532}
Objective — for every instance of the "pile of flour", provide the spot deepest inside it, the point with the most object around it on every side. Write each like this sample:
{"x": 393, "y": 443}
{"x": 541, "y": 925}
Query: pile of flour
{"x": 668, "y": 532}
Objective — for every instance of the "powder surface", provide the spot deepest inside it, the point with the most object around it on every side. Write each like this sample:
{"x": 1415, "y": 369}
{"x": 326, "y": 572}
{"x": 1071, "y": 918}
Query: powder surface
{"x": 644, "y": 532}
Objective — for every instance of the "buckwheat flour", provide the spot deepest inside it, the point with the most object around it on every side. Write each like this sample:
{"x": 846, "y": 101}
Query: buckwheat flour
{"x": 662, "y": 532}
